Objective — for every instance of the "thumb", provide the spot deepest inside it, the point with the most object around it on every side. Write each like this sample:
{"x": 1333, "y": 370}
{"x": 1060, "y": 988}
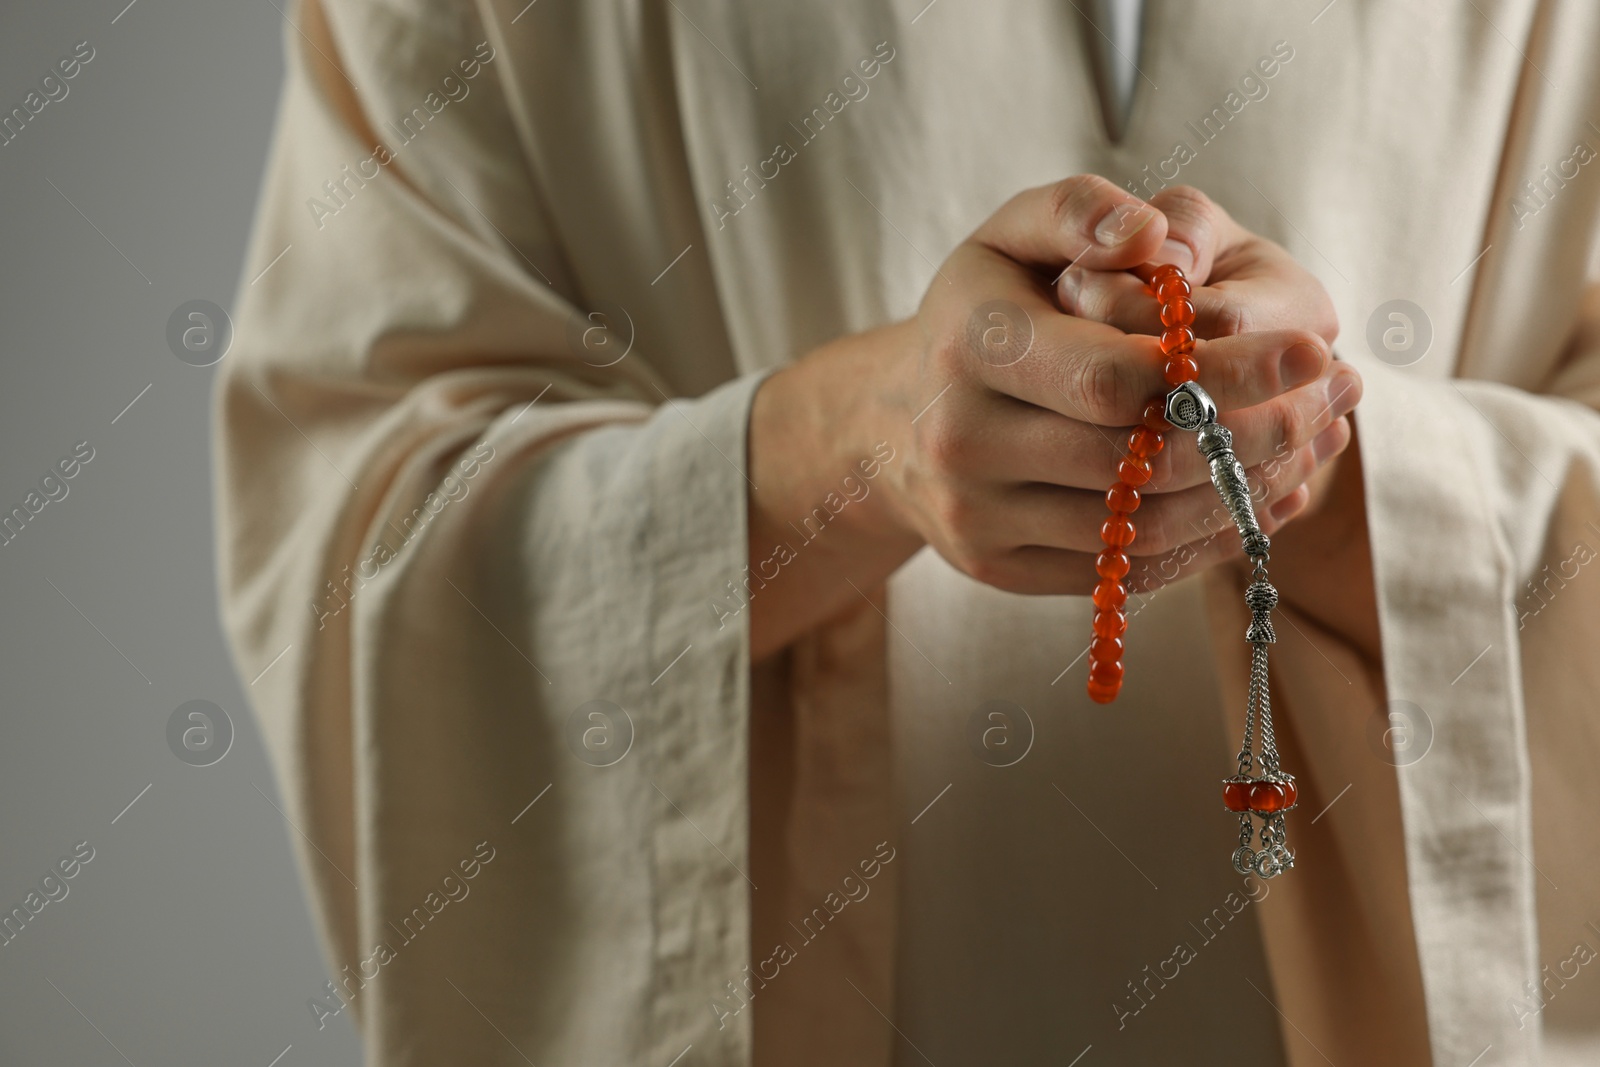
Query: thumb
{"x": 1084, "y": 220}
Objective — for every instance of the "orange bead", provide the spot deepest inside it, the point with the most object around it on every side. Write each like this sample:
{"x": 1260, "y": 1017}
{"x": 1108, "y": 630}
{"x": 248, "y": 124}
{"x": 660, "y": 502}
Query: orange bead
{"x": 1177, "y": 341}
{"x": 1166, "y": 270}
{"x": 1144, "y": 442}
{"x": 1267, "y": 797}
{"x": 1105, "y": 672}
{"x": 1134, "y": 470}
{"x": 1111, "y": 563}
{"x": 1103, "y": 694}
{"x": 1236, "y": 796}
{"x": 1155, "y": 416}
{"x": 1122, "y": 498}
{"x": 1117, "y": 531}
{"x": 1177, "y": 313}
{"x": 1109, "y": 594}
{"x": 1180, "y": 369}
{"x": 1291, "y": 794}
{"x": 1170, "y": 288}
{"x": 1106, "y": 648}
{"x": 1110, "y": 623}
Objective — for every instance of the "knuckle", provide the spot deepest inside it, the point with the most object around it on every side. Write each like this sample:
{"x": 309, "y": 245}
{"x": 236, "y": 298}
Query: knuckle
{"x": 1094, "y": 302}
{"x": 1294, "y": 424}
{"x": 940, "y": 442}
{"x": 952, "y": 353}
{"x": 1073, "y": 200}
{"x": 1234, "y": 317}
{"x": 1190, "y": 205}
{"x": 1098, "y": 387}
{"x": 1234, "y": 376}
{"x": 1187, "y": 196}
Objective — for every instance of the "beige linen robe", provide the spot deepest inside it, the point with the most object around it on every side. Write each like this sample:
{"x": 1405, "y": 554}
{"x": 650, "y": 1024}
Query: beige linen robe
{"x": 482, "y": 465}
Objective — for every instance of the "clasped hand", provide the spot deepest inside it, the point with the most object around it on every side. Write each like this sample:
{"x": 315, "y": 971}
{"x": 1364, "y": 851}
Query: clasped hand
{"x": 1008, "y": 399}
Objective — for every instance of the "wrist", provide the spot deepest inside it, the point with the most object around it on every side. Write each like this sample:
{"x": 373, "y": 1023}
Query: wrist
{"x": 829, "y": 435}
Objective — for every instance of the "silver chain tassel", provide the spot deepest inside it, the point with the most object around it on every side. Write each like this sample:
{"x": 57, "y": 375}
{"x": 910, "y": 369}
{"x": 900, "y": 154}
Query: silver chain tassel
{"x": 1260, "y": 789}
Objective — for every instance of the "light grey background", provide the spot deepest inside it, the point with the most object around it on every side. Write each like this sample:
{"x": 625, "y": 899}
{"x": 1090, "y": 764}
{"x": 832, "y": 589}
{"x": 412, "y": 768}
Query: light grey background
{"x": 187, "y": 939}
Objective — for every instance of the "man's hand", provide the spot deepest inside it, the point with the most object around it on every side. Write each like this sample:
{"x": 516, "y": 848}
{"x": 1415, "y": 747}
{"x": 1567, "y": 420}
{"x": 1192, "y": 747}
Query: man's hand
{"x": 1005, "y": 455}
{"x": 1242, "y": 283}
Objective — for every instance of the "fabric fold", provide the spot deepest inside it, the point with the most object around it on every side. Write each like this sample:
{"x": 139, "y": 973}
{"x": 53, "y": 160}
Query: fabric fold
{"x": 491, "y": 549}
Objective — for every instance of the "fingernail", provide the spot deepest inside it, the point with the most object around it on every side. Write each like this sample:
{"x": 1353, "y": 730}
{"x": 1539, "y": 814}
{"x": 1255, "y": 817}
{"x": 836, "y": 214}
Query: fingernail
{"x": 1067, "y": 287}
{"x": 1299, "y": 365}
{"x": 1122, "y": 222}
{"x": 1344, "y": 391}
{"x": 1328, "y": 442}
{"x": 1177, "y": 253}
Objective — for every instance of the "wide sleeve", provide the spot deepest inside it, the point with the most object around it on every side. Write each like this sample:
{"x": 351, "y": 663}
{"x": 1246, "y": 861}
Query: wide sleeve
{"x": 469, "y": 554}
{"x": 1441, "y": 783}
{"x": 1482, "y": 503}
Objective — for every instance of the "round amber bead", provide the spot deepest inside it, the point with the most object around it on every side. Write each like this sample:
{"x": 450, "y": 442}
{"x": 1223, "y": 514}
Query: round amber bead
{"x": 1105, "y": 672}
{"x": 1177, "y": 313}
{"x": 1103, "y": 694}
{"x": 1155, "y": 416}
{"x": 1110, "y": 623}
{"x": 1177, "y": 341}
{"x": 1134, "y": 470}
{"x": 1170, "y": 288}
{"x": 1117, "y": 531}
{"x": 1105, "y": 648}
{"x": 1144, "y": 442}
{"x": 1236, "y": 795}
{"x": 1180, "y": 369}
{"x": 1109, "y": 594}
{"x": 1268, "y": 797}
{"x": 1112, "y": 563}
{"x": 1122, "y": 498}
{"x": 1166, "y": 270}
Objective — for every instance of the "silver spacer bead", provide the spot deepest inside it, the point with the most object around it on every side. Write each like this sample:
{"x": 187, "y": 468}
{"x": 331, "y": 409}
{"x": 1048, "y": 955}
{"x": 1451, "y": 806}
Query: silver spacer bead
{"x": 1261, "y": 596}
{"x": 1214, "y": 438}
{"x": 1190, "y": 407}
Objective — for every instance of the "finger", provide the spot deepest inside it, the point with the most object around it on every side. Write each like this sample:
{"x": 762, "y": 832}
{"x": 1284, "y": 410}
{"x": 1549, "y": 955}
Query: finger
{"x": 1032, "y": 444}
{"x": 1244, "y": 370}
{"x": 1053, "y": 517}
{"x": 1021, "y": 443}
{"x": 1268, "y": 433}
{"x": 1098, "y": 374}
{"x": 1113, "y": 297}
{"x": 1197, "y": 230}
{"x": 1085, "y": 219}
{"x": 1165, "y": 521}
{"x": 1271, "y": 292}
{"x": 1037, "y": 570}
